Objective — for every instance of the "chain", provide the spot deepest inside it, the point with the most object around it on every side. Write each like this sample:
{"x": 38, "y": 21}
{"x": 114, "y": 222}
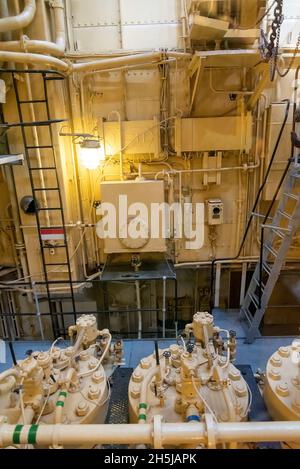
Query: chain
{"x": 269, "y": 48}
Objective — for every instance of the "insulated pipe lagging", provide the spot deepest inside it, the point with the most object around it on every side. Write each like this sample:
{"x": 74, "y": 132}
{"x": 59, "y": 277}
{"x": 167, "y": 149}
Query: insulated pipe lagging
{"x": 20, "y": 21}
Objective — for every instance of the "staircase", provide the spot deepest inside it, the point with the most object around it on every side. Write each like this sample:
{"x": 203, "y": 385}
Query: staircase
{"x": 277, "y": 237}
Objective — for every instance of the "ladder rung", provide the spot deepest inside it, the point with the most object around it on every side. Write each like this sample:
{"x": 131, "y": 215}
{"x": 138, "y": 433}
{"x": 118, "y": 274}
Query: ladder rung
{"x": 53, "y": 78}
{"x": 271, "y": 250}
{"x": 266, "y": 268}
{"x": 51, "y": 209}
{"x": 57, "y": 264}
{"x": 36, "y": 147}
{"x": 55, "y": 298}
{"x": 291, "y": 196}
{"x": 41, "y": 123}
{"x": 56, "y": 246}
{"x": 285, "y": 215}
{"x": 40, "y": 189}
{"x": 32, "y": 101}
{"x": 56, "y": 227}
{"x": 46, "y": 168}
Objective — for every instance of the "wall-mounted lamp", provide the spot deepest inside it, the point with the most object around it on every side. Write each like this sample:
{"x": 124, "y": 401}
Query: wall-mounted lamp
{"x": 91, "y": 150}
{"x": 91, "y": 153}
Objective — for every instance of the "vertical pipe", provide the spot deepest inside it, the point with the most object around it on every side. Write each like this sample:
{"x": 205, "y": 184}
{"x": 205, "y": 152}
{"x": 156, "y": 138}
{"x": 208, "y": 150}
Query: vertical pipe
{"x": 164, "y": 305}
{"x": 38, "y": 311}
{"x": 217, "y": 288}
{"x": 139, "y": 307}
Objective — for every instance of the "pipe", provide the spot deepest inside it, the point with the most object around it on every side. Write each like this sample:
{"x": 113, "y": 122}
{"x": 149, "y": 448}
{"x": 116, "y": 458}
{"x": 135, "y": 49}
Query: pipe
{"x": 139, "y": 307}
{"x": 20, "y": 21}
{"x": 118, "y": 62}
{"x": 43, "y": 47}
{"x": 164, "y": 305}
{"x": 167, "y": 434}
{"x": 34, "y": 59}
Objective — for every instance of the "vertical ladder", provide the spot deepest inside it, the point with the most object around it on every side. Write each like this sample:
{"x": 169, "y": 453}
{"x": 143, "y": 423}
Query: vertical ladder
{"x": 276, "y": 240}
{"x": 43, "y": 212}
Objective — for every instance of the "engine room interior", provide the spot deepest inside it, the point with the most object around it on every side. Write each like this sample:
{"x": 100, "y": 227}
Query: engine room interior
{"x": 150, "y": 224}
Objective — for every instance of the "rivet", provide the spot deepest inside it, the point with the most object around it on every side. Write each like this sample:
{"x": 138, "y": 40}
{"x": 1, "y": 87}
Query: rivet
{"x": 240, "y": 390}
{"x": 145, "y": 363}
{"x": 282, "y": 390}
{"x": 276, "y": 361}
{"x": 235, "y": 375}
{"x": 284, "y": 352}
{"x": 137, "y": 377}
{"x": 98, "y": 377}
{"x": 275, "y": 375}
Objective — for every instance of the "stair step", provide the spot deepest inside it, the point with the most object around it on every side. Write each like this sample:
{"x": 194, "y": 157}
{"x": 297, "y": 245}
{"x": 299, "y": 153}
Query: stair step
{"x": 271, "y": 250}
{"x": 254, "y": 299}
{"x": 259, "y": 284}
{"x": 247, "y": 315}
{"x": 285, "y": 215}
{"x": 291, "y": 196}
{"x": 266, "y": 267}
{"x": 279, "y": 233}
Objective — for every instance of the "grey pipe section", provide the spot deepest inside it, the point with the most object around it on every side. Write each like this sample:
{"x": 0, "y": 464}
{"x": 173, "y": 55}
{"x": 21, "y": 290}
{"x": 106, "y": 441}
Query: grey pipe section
{"x": 20, "y": 21}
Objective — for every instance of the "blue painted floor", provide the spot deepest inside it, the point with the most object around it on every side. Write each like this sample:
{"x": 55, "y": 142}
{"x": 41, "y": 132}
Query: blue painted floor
{"x": 256, "y": 355}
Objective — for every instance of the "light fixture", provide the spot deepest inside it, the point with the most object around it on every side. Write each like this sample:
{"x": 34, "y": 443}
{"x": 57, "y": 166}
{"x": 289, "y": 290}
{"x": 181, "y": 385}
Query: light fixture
{"x": 91, "y": 153}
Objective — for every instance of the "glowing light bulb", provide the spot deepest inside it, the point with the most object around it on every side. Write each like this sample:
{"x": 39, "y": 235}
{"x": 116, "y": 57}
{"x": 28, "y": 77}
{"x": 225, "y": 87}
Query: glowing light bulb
{"x": 91, "y": 154}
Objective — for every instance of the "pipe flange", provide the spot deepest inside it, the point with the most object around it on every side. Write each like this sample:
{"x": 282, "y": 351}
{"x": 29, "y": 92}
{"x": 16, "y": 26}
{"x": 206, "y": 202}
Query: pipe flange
{"x": 210, "y": 431}
{"x": 157, "y": 432}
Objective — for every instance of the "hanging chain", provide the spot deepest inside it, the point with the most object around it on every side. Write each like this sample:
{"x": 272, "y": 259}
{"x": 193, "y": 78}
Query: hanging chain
{"x": 269, "y": 48}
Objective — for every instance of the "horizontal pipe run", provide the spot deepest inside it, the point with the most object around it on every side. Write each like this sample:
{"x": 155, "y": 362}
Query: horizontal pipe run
{"x": 34, "y": 59}
{"x": 117, "y": 62}
{"x": 178, "y": 434}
